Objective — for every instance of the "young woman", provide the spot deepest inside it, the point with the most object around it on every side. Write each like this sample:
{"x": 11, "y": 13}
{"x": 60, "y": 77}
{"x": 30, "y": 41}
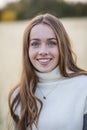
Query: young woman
{"x": 52, "y": 93}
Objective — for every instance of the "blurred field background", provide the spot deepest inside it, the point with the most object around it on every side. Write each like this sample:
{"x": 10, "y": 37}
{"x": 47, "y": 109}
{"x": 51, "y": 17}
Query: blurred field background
{"x": 14, "y": 18}
{"x": 11, "y": 52}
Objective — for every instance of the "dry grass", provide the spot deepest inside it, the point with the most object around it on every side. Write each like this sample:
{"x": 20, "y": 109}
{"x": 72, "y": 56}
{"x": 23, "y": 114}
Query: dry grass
{"x": 10, "y": 55}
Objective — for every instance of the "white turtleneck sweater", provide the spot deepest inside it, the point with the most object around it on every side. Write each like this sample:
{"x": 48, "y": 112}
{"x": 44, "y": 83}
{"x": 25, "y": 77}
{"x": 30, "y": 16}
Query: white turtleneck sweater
{"x": 65, "y": 104}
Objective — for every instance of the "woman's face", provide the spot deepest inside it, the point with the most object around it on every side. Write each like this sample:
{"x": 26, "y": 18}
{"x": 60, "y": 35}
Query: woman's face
{"x": 43, "y": 48}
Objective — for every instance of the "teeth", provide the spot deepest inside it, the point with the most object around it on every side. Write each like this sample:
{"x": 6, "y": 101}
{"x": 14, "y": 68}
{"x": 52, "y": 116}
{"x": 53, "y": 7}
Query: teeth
{"x": 45, "y": 60}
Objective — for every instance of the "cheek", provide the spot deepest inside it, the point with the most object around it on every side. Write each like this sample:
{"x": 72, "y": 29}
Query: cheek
{"x": 32, "y": 54}
{"x": 56, "y": 55}
{"x": 55, "y": 52}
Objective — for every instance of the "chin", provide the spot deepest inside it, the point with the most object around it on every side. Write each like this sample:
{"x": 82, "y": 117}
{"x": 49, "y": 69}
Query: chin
{"x": 45, "y": 71}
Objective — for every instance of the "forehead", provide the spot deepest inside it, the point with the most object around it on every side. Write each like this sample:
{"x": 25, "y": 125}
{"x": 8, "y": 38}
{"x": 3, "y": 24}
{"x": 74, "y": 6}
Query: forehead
{"x": 42, "y": 31}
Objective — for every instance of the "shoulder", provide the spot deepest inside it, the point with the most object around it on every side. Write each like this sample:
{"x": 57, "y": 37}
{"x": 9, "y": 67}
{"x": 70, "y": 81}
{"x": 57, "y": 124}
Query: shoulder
{"x": 16, "y": 91}
{"x": 77, "y": 83}
{"x": 79, "y": 79}
{"x": 14, "y": 95}
{"x": 80, "y": 82}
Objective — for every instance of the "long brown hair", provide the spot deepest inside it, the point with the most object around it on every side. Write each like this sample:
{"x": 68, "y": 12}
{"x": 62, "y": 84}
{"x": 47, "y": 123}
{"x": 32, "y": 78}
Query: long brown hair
{"x": 25, "y": 96}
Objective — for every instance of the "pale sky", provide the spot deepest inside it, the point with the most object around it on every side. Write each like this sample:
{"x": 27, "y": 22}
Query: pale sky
{"x": 4, "y": 2}
{"x": 76, "y": 0}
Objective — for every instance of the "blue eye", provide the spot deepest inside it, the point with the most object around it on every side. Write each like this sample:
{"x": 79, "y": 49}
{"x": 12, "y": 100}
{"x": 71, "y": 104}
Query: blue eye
{"x": 52, "y": 43}
{"x": 35, "y": 44}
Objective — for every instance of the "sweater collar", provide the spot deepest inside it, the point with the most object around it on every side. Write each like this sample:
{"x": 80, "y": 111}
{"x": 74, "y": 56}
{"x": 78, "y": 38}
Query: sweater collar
{"x": 49, "y": 77}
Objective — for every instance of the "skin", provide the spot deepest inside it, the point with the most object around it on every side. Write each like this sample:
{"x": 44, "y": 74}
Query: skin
{"x": 43, "y": 48}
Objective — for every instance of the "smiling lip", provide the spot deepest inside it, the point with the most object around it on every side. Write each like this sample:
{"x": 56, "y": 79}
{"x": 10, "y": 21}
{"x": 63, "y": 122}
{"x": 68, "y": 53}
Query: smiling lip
{"x": 44, "y": 61}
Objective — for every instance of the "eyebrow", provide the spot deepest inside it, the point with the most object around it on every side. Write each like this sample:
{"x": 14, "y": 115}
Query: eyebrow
{"x": 37, "y": 39}
{"x": 52, "y": 38}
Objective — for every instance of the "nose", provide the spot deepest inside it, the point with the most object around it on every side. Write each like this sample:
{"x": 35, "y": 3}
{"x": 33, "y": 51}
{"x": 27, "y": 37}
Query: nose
{"x": 43, "y": 50}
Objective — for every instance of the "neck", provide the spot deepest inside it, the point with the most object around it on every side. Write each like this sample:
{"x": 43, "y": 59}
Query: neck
{"x": 51, "y": 76}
